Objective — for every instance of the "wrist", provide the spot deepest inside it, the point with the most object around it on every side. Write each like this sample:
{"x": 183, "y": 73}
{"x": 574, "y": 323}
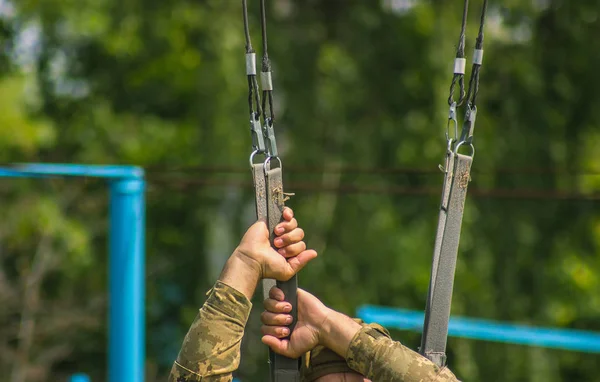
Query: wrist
{"x": 337, "y": 332}
{"x": 248, "y": 261}
{"x": 241, "y": 273}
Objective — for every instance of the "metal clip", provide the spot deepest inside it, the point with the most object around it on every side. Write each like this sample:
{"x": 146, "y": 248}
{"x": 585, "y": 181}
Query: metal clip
{"x": 466, "y": 135}
{"x": 452, "y": 121}
{"x": 258, "y": 141}
{"x": 271, "y": 143}
{"x": 469, "y": 125}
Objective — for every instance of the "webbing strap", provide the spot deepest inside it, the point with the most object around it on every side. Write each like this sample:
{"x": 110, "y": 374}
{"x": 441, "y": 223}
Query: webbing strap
{"x": 283, "y": 369}
{"x": 260, "y": 193}
{"x": 448, "y": 172}
{"x": 435, "y": 331}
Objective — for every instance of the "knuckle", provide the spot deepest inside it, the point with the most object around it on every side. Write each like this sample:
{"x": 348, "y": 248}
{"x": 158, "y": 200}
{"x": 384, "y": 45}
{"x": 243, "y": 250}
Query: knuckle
{"x": 267, "y": 304}
{"x": 263, "y": 317}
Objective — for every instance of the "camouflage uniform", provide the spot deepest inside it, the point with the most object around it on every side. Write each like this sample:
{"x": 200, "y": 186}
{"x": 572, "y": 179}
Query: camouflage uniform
{"x": 211, "y": 349}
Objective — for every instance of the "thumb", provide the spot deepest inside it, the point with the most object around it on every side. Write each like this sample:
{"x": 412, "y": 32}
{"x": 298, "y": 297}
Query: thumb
{"x": 258, "y": 230}
{"x": 296, "y": 263}
{"x": 278, "y": 346}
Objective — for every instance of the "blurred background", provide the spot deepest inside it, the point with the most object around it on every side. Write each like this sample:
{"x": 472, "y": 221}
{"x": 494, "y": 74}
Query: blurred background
{"x": 361, "y": 93}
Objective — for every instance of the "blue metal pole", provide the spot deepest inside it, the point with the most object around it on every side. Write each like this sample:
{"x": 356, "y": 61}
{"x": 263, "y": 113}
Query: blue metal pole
{"x": 126, "y": 281}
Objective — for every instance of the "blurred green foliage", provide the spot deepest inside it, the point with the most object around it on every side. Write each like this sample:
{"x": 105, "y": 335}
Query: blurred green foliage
{"x": 360, "y": 86}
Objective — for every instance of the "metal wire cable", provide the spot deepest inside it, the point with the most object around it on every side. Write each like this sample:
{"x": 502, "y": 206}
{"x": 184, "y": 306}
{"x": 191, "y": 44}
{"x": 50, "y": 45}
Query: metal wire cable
{"x": 253, "y": 91}
{"x": 266, "y": 63}
{"x": 459, "y": 78}
{"x": 474, "y": 80}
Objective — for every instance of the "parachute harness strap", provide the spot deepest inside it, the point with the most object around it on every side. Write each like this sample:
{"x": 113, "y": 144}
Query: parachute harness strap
{"x": 268, "y": 180}
{"x": 457, "y": 171}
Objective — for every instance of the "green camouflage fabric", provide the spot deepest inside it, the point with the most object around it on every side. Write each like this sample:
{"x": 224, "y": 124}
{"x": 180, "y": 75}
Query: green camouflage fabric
{"x": 211, "y": 348}
{"x": 375, "y": 355}
{"x": 322, "y": 361}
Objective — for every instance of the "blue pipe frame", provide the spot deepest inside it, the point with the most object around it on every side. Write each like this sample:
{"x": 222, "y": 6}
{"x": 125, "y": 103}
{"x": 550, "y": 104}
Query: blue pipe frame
{"x": 488, "y": 330}
{"x": 126, "y": 321}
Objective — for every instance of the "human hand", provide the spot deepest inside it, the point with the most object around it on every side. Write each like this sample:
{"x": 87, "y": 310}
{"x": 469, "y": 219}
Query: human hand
{"x": 312, "y": 314}
{"x": 255, "y": 249}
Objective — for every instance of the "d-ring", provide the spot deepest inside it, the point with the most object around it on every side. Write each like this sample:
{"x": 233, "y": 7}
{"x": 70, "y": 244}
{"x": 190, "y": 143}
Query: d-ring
{"x": 462, "y": 143}
{"x": 268, "y": 160}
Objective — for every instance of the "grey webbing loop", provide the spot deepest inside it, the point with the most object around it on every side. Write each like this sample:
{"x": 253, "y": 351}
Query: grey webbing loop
{"x": 448, "y": 172}
{"x": 283, "y": 369}
{"x": 260, "y": 197}
{"x": 435, "y": 330}
{"x": 456, "y": 179}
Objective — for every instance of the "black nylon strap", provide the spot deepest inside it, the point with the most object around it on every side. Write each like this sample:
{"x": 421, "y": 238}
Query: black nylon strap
{"x": 283, "y": 369}
{"x": 435, "y": 331}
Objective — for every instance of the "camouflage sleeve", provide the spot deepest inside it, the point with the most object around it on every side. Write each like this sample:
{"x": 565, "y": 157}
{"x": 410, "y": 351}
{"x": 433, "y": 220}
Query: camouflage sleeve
{"x": 379, "y": 358}
{"x": 211, "y": 348}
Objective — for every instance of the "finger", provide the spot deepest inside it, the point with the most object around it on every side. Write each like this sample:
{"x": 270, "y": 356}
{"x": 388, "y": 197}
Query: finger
{"x": 286, "y": 226}
{"x": 288, "y": 213}
{"x": 293, "y": 249}
{"x": 274, "y": 319}
{"x": 275, "y": 331}
{"x": 295, "y": 264}
{"x": 289, "y": 238}
{"x": 275, "y": 306}
{"x": 276, "y": 293}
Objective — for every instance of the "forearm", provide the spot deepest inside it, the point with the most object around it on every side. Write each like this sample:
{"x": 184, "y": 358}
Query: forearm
{"x": 372, "y": 353}
{"x": 242, "y": 274}
{"x": 211, "y": 348}
{"x": 338, "y": 331}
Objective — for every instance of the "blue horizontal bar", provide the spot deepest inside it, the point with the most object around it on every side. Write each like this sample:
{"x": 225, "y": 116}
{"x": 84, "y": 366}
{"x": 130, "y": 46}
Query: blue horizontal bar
{"x": 51, "y": 169}
{"x": 80, "y": 377}
{"x": 487, "y": 330}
